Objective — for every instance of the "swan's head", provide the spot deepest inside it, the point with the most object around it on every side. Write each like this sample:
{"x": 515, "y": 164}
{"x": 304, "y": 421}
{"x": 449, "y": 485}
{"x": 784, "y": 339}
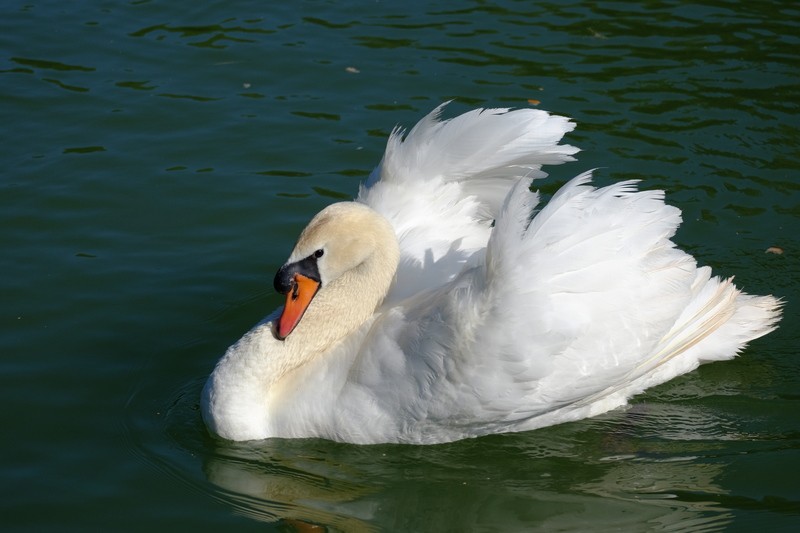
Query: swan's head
{"x": 348, "y": 246}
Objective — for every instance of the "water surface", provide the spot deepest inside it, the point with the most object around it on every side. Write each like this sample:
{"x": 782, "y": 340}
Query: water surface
{"x": 159, "y": 159}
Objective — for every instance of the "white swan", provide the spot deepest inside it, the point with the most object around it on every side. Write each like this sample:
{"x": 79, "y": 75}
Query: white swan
{"x": 433, "y": 308}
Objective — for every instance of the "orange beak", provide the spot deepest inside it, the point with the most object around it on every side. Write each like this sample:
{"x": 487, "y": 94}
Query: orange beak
{"x": 302, "y": 292}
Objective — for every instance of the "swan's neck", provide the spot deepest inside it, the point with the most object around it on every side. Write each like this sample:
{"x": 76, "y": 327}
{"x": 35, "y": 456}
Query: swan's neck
{"x": 244, "y": 388}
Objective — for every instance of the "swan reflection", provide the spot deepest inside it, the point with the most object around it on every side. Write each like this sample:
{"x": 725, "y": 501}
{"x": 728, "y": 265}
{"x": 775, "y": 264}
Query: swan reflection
{"x": 652, "y": 467}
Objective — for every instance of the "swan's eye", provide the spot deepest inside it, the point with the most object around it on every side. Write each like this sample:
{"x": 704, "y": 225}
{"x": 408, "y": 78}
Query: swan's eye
{"x": 319, "y": 253}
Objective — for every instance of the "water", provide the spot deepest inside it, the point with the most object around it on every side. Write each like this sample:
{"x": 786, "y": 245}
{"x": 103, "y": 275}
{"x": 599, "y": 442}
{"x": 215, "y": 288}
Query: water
{"x": 159, "y": 158}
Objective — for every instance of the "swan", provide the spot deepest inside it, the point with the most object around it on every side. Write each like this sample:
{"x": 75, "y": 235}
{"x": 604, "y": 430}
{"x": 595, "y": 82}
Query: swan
{"x": 437, "y": 307}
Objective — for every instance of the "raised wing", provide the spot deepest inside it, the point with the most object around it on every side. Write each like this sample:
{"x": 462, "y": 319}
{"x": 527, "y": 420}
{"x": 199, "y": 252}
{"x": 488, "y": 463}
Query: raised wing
{"x": 571, "y": 312}
{"x": 442, "y": 185}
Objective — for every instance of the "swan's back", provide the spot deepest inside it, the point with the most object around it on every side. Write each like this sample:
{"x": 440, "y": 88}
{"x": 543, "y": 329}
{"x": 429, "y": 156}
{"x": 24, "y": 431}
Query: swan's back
{"x": 535, "y": 321}
{"x": 569, "y": 315}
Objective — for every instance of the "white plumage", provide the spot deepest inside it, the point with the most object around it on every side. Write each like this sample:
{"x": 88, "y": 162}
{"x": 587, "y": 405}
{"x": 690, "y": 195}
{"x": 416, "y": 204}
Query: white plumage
{"x": 441, "y": 310}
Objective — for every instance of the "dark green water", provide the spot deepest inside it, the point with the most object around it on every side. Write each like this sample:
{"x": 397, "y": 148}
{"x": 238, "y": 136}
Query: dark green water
{"x": 159, "y": 158}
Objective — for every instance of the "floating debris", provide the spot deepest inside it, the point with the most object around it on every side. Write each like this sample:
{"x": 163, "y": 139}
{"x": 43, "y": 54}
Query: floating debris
{"x": 533, "y": 101}
{"x": 352, "y": 70}
{"x": 596, "y": 34}
{"x": 774, "y": 250}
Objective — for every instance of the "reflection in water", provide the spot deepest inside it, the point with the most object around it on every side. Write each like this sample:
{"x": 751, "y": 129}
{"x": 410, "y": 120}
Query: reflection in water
{"x": 268, "y": 484}
{"x": 615, "y": 472}
{"x": 679, "y": 492}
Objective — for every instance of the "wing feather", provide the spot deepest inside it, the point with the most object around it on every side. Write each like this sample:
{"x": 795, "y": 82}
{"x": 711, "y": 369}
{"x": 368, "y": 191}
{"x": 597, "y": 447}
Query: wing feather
{"x": 442, "y": 185}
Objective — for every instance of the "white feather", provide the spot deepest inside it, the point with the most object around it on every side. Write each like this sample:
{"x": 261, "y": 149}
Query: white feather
{"x": 442, "y": 185}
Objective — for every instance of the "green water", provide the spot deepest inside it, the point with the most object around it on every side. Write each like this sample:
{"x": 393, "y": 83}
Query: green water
{"x": 159, "y": 158}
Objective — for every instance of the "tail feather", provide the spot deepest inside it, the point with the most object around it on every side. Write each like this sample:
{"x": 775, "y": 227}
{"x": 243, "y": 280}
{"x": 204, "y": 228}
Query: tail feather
{"x": 714, "y": 306}
{"x": 716, "y": 326}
